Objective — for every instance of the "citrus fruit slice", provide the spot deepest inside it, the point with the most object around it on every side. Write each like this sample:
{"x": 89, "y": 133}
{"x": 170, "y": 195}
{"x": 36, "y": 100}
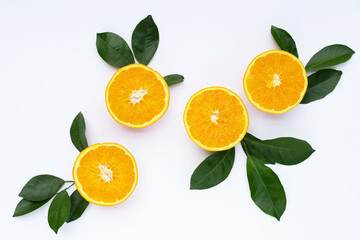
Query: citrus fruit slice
{"x": 137, "y": 96}
{"x": 216, "y": 119}
{"x": 105, "y": 174}
{"x": 275, "y": 81}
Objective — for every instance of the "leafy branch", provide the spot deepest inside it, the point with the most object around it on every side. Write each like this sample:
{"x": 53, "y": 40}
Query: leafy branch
{"x": 266, "y": 189}
{"x": 114, "y": 50}
{"x": 42, "y": 188}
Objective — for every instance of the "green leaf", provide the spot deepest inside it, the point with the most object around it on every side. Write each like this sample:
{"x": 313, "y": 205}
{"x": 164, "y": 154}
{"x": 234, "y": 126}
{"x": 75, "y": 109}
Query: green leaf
{"x": 329, "y": 56}
{"x": 113, "y": 49}
{"x": 26, "y": 206}
{"x": 41, "y": 187}
{"x": 321, "y": 84}
{"x": 59, "y": 210}
{"x": 213, "y": 170}
{"x": 77, "y": 132}
{"x": 78, "y": 206}
{"x": 284, "y": 150}
{"x": 284, "y": 40}
{"x": 266, "y": 189}
{"x": 145, "y": 40}
{"x": 254, "y": 149}
{"x": 173, "y": 79}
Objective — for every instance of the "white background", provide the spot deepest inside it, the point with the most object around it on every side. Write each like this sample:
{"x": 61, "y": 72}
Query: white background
{"x": 50, "y": 70}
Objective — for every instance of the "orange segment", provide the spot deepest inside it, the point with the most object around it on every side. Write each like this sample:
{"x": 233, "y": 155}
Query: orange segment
{"x": 275, "y": 81}
{"x": 105, "y": 174}
{"x": 137, "y": 96}
{"x": 216, "y": 119}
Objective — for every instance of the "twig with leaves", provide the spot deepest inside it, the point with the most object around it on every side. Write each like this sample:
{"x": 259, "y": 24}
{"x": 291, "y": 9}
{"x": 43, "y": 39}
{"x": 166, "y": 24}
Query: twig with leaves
{"x": 114, "y": 50}
{"x": 42, "y": 188}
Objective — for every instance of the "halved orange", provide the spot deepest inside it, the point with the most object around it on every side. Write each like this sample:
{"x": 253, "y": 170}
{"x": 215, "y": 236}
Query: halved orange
{"x": 275, "y": 81}
{"x": 216, "y": 119}
{"x": 137, "y": 96}
{"x": 105, "y": 174}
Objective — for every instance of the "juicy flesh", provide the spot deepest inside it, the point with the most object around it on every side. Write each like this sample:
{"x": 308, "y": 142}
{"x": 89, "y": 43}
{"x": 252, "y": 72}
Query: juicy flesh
{"x": 106, "y": 174}
{"x": 276, "y": 81}
{"x": 136, "y": 96}
{"x": 216, "y": 119}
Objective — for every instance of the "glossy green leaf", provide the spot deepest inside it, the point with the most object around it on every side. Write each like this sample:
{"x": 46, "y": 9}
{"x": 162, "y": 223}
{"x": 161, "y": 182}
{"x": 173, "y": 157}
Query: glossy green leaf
{"x": 26, "y": 206}
{"x": 78, "y": 206}
{"x": 145, "y": 40}
{"x": 41, "y": 187}
{"x": 77, "y": 132}
{"x": 284, "y": 40}
{"x": 59, "y": 210}
{"x": 213, "y": 170}
{"x": 320, "y": 84}
{"x": 284, "y": 150}
{"x": 329, "y": 56}
{"x": 114, "y": 49}
{"x": 254, "y": 150}
{"x": 173, "y": 79}
{"x": 266, "y": 189}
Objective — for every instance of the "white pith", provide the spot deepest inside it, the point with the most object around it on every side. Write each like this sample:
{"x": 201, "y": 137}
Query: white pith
{"x": 275, "y": 82}
{"x": 105, "y": 173}
{"x": 214, "y": 117}
{"x": 137, "y": 95}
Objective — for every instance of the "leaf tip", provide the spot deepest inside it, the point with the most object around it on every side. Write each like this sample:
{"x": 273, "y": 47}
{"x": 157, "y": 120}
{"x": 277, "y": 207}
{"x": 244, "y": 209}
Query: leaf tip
{"x": 55, "y": 229}
{"x": 278, "y": 216}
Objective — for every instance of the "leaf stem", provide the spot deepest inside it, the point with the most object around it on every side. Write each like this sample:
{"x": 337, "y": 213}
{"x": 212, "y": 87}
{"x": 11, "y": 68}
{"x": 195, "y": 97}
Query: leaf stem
{"x": 69, "y": 186}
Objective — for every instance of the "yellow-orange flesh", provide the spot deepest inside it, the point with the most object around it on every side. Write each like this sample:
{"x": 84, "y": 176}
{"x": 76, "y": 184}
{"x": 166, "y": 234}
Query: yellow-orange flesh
{"x": 275, "y": 81}
{"x": 216, "y": 119}
{"x": 105, "y": 174}
{"x": 137, "y": 96}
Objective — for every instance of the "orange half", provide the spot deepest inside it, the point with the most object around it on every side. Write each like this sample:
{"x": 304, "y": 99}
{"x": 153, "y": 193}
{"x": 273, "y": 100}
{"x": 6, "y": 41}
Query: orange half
{"x": 137, "y": 96}
{"x": 216, "y": 119}
{"x": 275, "y": 81}
{"x": 105, "y": 174}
